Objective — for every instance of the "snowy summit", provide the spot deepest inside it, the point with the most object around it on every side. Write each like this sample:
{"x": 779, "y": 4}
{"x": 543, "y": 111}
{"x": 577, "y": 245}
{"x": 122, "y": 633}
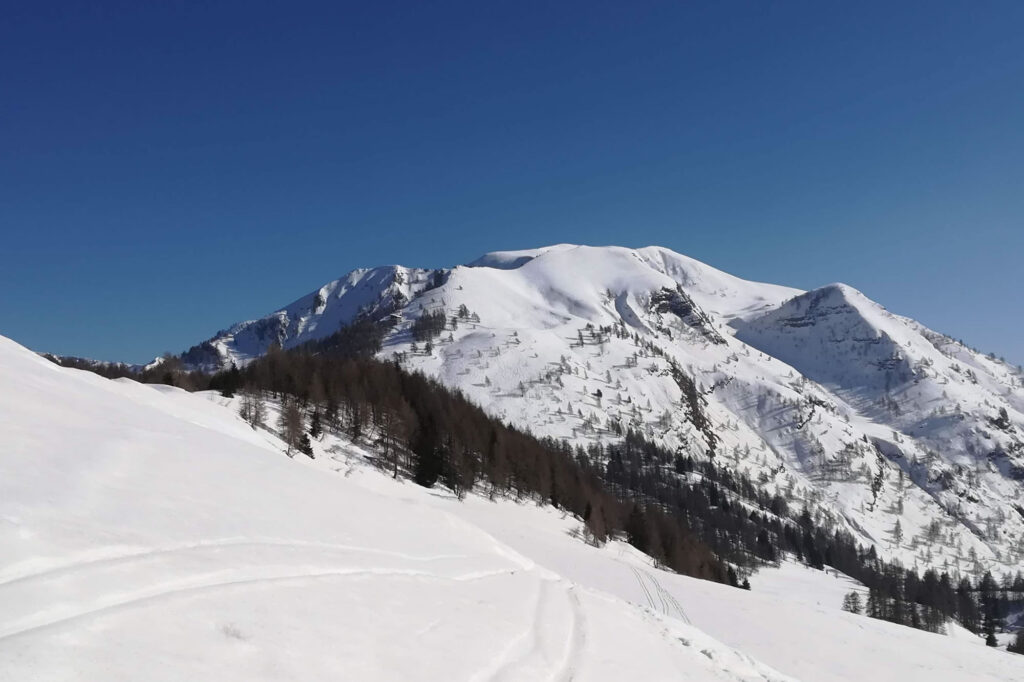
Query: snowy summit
{"x": 818, "y": 393}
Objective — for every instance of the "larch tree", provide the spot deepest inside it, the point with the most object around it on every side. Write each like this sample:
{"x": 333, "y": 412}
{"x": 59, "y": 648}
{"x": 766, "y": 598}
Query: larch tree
{"x": 290, "y": 424}
{"x": 253, "y": 409}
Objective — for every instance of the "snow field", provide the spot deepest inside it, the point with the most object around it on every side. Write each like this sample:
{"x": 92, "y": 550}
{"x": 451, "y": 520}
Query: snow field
{"x": 149, "y": 533}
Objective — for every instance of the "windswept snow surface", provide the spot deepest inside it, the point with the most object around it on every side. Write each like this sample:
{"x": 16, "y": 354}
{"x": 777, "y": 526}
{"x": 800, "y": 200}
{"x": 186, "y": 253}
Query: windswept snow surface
{"x": 148, "y": 533}
{"x": 864, "y": 417}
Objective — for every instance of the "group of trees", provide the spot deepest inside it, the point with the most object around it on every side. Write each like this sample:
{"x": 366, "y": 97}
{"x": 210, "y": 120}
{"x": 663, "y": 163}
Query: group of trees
{"x": 168, "y": 370}
{"x": 925, "y": 603}
{"x": 434, "y": 435}
{"x": 748, "y": 527}
{"x": 292, "y": 428}
{"x": 429, "y": 325}
{"x": 1017, "y": 645}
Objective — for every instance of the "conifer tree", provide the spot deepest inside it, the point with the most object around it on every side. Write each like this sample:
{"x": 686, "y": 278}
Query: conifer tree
{"x": 428, "y": 460}
{"x": 289, "y": 424}
{"x": 231, "y": 382}
{"x": 253, "y": 409}
{"x": 1017, "y": 645}
{"x": 851, "y": 602}
{"x": 636, "y": 528}
{"x": 315, "y": 427}
{"x": 989, "y": 608}
{"x": 305, "y": 446}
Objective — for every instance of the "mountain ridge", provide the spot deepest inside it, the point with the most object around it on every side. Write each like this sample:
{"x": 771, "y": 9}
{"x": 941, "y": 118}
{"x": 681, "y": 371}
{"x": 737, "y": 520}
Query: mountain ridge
{"x": 824, "y": 395}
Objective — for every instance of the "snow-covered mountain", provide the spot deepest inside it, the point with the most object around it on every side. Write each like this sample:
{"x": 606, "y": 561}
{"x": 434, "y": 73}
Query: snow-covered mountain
{"x": 149, "y": 533}
{"x": 897, "y": 433}
{"x": 374, "y": 292}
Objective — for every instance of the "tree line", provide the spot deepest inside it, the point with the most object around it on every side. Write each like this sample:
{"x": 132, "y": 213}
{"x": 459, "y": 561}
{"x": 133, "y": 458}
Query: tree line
{"x": 434, "y": 435}
{"x": 749, "y": 527}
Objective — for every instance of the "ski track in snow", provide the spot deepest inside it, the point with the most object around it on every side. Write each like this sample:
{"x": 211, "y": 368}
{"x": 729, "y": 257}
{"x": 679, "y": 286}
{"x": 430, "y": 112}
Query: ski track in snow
{"x": 130, "y": 557}
{"x": 523, "y": 648}
{"x": 527, "y": 656}
{"x": 669, "y": 603}
{"x": 161, "y": 593}
{"x": 643, "y": 587}
{"x": 577, "y": 639}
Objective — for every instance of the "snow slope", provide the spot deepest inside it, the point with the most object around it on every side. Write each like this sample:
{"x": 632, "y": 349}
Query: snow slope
{"x": 148, "y": 533}
{"x": 865, "y": 417}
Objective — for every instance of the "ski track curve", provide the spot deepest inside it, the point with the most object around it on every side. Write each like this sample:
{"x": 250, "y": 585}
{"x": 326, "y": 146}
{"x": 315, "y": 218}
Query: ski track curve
{"x": 142, "y": 555}
{"x": 143, "y": 598}
{"x": 669, "y": 603}
{"x": 522, "y": 647}
{"x": 577, "y": 640}
{"x": 529, "y": 656}
{"x": 643, "y": 587}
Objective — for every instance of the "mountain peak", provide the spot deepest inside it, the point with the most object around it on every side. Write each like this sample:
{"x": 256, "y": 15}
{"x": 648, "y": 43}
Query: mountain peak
{"x": 841, "y": 289}
{"x": 510, "y": 260}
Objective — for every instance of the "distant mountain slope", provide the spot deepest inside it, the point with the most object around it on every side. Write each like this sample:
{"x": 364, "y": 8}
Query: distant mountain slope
{"x": 877, "y": 424}
{"x": 374, "y": 292}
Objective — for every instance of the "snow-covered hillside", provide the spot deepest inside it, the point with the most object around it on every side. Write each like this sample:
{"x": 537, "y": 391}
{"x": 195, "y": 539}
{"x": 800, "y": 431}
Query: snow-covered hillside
{"x": 897, "y": 433}
{"x": 149, "y": 533}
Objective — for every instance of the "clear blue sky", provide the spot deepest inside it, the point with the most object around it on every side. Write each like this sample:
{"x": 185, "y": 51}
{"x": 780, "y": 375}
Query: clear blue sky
{"x": 169, "y": 168}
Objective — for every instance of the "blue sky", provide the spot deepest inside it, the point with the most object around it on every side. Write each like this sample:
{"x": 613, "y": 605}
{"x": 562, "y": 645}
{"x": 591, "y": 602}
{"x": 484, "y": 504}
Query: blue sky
{"x": 169, "y": 168}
